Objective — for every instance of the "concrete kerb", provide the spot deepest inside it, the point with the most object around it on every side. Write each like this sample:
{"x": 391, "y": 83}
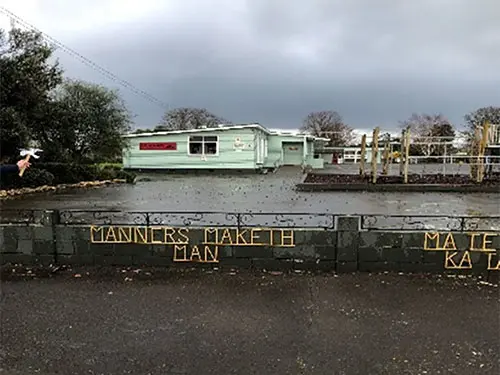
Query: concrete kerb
{"x": 409, "y": 188}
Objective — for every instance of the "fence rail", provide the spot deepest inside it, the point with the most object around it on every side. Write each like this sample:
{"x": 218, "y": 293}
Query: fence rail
{"x": 11, "y": 216}
{"x": 249, "y": 219}
{"x": 432, "y": 222}
{"x": 199, "y": 219}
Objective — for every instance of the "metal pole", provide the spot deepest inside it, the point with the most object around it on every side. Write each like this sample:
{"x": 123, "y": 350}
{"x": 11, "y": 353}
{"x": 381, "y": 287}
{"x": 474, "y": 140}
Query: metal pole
{"x": 407, "y": 155}
{"x": 402, "y": 152}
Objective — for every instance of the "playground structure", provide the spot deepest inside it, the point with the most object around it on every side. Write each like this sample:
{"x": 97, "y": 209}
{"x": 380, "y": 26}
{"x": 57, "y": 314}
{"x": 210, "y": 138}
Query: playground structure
{"x": 485, "y": 150}
{"x": 462, "y": 160}
{"x": 481, "y": 152}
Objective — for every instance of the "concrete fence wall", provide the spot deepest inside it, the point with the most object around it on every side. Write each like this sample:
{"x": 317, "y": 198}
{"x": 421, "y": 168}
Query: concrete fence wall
{"x": 288, "y": 241}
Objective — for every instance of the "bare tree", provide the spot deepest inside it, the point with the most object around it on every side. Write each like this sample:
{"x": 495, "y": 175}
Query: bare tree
{"x": 329, "y": 124}
{"x": 429, "y": 129}
{"x": 185, "y": 118}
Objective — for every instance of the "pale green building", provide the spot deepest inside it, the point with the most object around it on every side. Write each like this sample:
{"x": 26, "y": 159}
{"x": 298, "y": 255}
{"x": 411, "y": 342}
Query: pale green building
{"x": 241, "y": 147}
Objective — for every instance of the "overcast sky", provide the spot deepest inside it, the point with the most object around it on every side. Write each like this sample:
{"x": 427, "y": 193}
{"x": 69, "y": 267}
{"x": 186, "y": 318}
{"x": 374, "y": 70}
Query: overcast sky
{"x": 274, "y": 61}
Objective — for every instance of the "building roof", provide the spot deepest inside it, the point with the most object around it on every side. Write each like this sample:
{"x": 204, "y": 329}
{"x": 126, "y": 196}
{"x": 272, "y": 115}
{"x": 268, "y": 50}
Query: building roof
{"x": 222, "y": 127}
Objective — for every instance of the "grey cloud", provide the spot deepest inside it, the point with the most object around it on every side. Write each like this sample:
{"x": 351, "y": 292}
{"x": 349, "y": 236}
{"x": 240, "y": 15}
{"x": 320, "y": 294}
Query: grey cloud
{"x": 275, "y": 61}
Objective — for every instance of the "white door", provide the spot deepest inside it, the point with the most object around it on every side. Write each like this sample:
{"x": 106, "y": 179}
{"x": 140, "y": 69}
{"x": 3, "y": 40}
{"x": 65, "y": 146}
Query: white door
{"x": 293, "y": 153}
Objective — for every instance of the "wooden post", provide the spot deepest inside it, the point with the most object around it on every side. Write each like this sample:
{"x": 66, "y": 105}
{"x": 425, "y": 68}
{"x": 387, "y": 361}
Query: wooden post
{"x": 444, "y": 159}
{"x": 474, "y": 154}
{"x": 407, "y": 154}
{"x": 387, "y": 158}
{"x": 376, "y": 132}
{"x": 363, "y": 156}
{"x": 391, "y": 155}
{"x": 482, "y": 148}
{"x": 402, "y": 152}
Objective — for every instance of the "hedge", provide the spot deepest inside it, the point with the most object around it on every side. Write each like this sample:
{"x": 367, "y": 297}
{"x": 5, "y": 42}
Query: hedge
{"x": 60, "y": 173}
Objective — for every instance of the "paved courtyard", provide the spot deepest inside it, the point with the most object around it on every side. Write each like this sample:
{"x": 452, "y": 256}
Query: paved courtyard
{"x": 138, "y": 322}
{"x": 256, "y": 193}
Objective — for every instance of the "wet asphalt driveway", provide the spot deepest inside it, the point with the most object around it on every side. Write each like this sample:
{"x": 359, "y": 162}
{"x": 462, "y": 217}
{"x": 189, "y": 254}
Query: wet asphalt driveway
{"x": 242, "y": 323}
{"x": 255, "y": 193}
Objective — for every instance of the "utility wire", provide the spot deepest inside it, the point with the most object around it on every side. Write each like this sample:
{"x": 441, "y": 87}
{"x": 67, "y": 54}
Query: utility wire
{"x": 86, "y": 61}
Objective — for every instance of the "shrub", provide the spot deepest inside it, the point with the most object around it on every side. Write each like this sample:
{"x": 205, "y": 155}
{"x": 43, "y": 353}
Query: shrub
{"x": 32, "y": 178}
{"x": 69, "y": 173}
{"x": 36, "y": 177}
{"x": 113, "y": 166}
{"x": 127, "y": 176}
{"x": 62, "y": 173}
{"x": 105, "y": 174}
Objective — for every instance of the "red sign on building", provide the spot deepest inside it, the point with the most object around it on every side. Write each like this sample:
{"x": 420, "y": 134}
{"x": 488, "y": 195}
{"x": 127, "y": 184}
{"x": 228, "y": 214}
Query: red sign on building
{"x": 159, "y": 146}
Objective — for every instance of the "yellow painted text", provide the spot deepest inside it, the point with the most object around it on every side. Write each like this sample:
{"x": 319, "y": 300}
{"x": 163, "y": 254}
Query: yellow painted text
{"x": 460, "y": 258}
{"x": 196, "y": 253}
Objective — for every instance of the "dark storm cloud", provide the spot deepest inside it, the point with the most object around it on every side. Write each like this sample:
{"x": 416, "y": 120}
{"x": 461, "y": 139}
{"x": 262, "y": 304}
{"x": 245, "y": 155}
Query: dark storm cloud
{"x": 272, "y": 62}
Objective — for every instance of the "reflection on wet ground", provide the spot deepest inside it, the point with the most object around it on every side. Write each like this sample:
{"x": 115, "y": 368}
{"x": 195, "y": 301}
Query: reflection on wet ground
{"x": 256, "y": 193}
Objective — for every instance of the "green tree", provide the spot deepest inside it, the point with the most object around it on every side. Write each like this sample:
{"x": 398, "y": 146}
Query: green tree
{"x": 189, "y": 118}
{"x": 481, "y": 115}
{"x": 329, "y": 124}
{"x": 26, "y": 78}
{"x": 142, "y": 131}
{"x": 478, "y": 117}
{"x": 84, "y": 123}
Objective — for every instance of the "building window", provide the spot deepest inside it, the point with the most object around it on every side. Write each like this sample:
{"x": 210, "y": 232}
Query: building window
{"x": 203, "y": 145}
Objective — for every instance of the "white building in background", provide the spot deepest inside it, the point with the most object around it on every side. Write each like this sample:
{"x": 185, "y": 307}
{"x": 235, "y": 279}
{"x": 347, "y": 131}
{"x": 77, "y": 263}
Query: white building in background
{"x": 347, "y": 155}
{"x": 369, "y": 135}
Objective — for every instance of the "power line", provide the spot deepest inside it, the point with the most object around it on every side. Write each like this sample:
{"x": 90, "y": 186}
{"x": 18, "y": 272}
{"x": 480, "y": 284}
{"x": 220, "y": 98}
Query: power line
{"x": 86, "y": 61}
